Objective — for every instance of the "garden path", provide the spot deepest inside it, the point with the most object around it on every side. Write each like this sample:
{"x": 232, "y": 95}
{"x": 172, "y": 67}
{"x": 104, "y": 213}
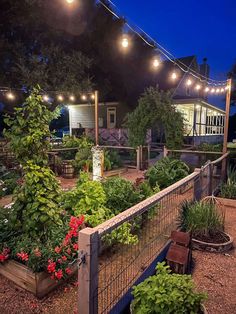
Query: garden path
{"x": 216, "y": 273}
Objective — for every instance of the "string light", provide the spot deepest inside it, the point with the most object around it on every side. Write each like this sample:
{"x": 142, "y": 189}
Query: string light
{"x": 213, "y": 90}
{"x": 174, "y": 76}
{"x": 198, "y": 87}
{"x": 217, "y": 90}
{"x": 189, "y": 82}
{"x": 60, "y": 98}
{"x": 207, "y": 89}
{"x": 70, "y": 1}
{"x": 154, "y": 44}
{"x": 222, "y": 90}
{"x": 125, "y": 42}
{"x": 93, "y": 96}
{"x": 72, "y": 98}
{"x": 156, "y": 63}
{"x": 84, "y": 97}
{"x": 10, "y": 96}
{"x": 45, "y": 98}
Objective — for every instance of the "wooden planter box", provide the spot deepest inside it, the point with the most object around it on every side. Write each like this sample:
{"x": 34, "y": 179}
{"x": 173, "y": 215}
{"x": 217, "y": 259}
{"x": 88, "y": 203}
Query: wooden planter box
{"x": 40, "y": 284}
{"x": 227, "y": 202}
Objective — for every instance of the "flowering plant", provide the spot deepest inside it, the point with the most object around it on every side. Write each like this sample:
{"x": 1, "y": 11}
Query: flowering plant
{"x": 57, "y": 256}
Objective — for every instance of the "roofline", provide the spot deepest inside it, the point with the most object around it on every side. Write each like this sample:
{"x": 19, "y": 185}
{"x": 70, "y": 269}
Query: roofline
{"x": 198, "y": 101}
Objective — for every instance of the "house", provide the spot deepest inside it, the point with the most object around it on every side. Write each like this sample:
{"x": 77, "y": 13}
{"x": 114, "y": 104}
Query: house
{"x": 204, "y": 122}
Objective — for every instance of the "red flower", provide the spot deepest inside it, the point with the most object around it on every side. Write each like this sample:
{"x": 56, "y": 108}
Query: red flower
{"x": 68, "y": 271}
{"x": 76, "y": 222}
{"x": 59, "y": 260}
{"x": 75, "y": 247}
{"x": 59, "y": 274}
{"x": 57, "y": 250}
{"x": 69, "y": 251}
{"x": 64, "y": 258}
{"x": 51, "y": 267}
{"x": 23, "y": 256}
{"x": 2, "y": 258}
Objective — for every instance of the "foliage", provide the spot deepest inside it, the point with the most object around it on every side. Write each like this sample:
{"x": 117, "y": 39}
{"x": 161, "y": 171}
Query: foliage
{"x": 89, "y": 199}
{"x": 8, "y": 182}
{"x": 120, "y": 194}
{"x": 166, "y": 171}
{"x": 166, "y": 293}
{"x": 36, "y": 209}
{"x": 207, "y": 147}
{"x": 55, "y": 256}
{"x": 155, "y": 110}
{"x": 201, "y": 219}
{"x": 228, "y": 189}
{"x": 29, "y": 130}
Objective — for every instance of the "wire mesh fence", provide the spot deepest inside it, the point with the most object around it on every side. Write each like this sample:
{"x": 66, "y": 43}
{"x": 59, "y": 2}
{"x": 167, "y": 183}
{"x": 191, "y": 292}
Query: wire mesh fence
{"x": 123, "y": 248}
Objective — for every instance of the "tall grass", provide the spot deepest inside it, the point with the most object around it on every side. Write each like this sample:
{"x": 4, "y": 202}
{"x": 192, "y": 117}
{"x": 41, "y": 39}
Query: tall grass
{"x": 201, "y": 219}
{"x": 228, "y": 189}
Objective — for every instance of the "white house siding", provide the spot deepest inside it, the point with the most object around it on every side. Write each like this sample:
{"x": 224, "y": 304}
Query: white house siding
{"x": 81, "y": 116}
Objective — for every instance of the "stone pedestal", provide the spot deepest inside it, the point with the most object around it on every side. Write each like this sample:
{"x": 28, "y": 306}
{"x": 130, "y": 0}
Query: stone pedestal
{"x": 98, "y": 163}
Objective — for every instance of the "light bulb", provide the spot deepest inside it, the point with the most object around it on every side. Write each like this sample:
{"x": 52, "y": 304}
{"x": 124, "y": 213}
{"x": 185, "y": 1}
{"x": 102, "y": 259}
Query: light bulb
{"x": 92, "y": 96}
{"x": 45, "y": 98}
{"x": 174, "y": 76}
{"x": 10, "y": 96}
{"x": 189, "y": 82}
{"x": 72, "y": 98}
{"x": 60, "y": 98}
{"x": 156, "y": 63}
{"x": 222, "y": 90}
{"x": 207, "y": 89}
{"x": 217, "y": 90}
{"x": 125, "y": 42}
{"x": 84, "y": 97}
{"x": 198, "y": 87}
{"x": 70, "y": 1}
{"x": 213, "y": 90}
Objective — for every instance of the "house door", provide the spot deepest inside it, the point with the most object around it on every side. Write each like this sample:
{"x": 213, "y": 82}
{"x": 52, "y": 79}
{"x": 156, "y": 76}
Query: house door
{"x": 111, "y": 118}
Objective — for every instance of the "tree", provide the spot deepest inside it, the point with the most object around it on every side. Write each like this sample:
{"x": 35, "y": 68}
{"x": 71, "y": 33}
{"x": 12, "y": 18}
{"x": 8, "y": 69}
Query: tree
{"x": 155, "y": 110}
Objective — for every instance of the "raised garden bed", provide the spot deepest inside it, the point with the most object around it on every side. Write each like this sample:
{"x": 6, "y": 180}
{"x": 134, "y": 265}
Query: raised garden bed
{"x": 227, "y": 202}
{"x": 225, "y": 246}
{"x": 40, "y": 284}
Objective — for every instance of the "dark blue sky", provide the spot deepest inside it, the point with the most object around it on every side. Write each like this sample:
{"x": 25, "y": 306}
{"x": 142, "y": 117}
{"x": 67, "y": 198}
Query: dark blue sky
{"x": 194, "y": 27}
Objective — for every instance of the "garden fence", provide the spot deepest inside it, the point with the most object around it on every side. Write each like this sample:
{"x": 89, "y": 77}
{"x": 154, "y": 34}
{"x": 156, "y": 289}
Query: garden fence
{"x": 108, "y": 273}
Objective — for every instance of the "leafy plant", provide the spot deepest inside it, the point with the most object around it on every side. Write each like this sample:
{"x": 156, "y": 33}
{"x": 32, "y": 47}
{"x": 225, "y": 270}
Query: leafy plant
{"x": 228, "y": 189}
{"x": 29, "y": 130}
{"x": 36, "y": 207}
{"x": 167, "y": 171}
{"x": 8, "y": 182}
{"x": 82, "y": 144}
{"x": 207, "y": 147}
{"x": 155, "y": 110}
{"x": 166, "y": 293}
{"x": 201, "y": 219}
{"x": 120, "y": 194}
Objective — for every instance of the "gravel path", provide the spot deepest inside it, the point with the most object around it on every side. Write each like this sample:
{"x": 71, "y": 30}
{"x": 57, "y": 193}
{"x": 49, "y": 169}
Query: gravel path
{"x": 216, "y": 274}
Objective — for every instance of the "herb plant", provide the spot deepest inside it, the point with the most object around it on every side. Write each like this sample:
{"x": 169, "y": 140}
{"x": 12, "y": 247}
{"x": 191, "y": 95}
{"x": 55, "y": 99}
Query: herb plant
{"x": 166, "y": 293}
{"x": 167, "y": 171}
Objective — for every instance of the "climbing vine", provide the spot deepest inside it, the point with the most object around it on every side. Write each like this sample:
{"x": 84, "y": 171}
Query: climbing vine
{"x": 155, "y": 110}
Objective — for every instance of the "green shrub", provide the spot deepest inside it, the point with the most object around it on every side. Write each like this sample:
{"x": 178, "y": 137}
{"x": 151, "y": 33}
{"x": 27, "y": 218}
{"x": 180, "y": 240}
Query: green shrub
{"x": 82, "y": 144}
{"x": 207, "y": 147}
{"x": 89, "y": 199}
{"x": 166, "y": 172}
{"x": 228, "y": 189}
{"x": 8, "y": 182}
{"x": 36, "y": 209}
{"x": 166, "y": 293}
{"x": 201, "y": 219}
{"x": 120, "y": 194}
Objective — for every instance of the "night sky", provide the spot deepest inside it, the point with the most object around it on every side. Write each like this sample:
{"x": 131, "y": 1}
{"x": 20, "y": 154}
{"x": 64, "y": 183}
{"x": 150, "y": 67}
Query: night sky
{"x": 205, "y": 28}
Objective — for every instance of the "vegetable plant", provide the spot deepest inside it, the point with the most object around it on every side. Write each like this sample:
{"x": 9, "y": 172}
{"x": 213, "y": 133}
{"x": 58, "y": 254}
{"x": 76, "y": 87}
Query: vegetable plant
{"x": 166, "y": 293}
{"x": 166, "y": 172}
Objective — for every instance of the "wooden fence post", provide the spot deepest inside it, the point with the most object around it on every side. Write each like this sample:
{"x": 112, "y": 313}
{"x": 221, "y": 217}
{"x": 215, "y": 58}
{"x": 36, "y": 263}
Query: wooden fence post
{"x": 138, "y": 158}
{"x": 198, "y": 185}
{"x": 165, "y": 151}
{"x": 88, "y": 272}
{"x": 210, "y": 181}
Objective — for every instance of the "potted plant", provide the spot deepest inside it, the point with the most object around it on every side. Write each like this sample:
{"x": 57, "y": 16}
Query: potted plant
{"x": 166, "y": 293}
{"x": 205, "y": 221}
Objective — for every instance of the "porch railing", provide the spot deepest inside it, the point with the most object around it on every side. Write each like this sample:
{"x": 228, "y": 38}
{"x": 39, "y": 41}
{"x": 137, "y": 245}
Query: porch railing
{"x": 108, "y": 273}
